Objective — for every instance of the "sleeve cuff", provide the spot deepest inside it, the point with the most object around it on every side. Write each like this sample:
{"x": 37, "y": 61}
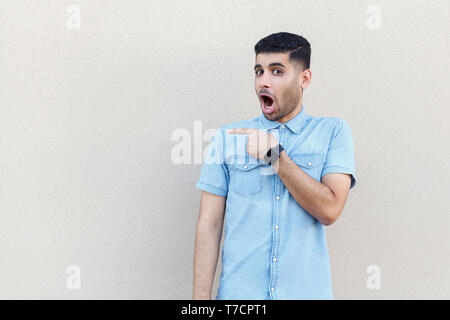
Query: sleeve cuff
{"x": 338, "y": 169}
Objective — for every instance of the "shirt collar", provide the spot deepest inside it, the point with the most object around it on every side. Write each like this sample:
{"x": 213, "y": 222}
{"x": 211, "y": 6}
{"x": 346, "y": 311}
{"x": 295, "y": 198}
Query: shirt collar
{"x": 295, "y": 124}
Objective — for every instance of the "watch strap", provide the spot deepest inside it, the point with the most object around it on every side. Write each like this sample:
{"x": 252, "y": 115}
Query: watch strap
{"x": 273, "y": 154}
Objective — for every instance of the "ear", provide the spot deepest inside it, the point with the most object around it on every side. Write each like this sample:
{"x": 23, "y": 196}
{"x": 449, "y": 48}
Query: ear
{"x": 305, "y": 78}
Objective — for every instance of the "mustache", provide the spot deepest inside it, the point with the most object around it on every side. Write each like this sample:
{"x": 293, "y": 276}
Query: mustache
{"x": 266, "y": 93}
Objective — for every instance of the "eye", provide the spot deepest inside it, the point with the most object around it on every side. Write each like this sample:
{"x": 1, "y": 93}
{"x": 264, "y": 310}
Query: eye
{"x": 257, "y": 72}
{"x": 280, "y": 72}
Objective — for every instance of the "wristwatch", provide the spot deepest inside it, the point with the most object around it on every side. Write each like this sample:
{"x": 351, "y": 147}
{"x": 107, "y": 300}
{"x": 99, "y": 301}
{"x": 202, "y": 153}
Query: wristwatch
{"x": 273, "y": 154}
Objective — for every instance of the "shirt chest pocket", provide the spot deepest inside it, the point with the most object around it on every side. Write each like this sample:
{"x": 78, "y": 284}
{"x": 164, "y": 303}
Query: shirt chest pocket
{"x": 311, "y": 163}
{"x": 246, "y": 179}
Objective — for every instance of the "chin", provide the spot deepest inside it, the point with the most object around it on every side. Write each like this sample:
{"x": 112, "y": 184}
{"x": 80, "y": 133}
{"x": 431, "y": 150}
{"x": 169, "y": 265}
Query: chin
{"x": 272, "y": 116}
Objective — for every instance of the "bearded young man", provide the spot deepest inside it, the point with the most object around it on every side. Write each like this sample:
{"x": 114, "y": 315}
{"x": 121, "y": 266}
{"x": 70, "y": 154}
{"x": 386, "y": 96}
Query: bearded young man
{"x": 278, "y": 192}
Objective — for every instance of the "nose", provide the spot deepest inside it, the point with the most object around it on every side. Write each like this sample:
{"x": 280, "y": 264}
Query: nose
{"x": 264, "y": 81}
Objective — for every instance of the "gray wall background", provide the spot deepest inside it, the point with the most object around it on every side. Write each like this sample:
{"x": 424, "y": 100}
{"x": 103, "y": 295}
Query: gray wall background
{"x": 87, "y": 115}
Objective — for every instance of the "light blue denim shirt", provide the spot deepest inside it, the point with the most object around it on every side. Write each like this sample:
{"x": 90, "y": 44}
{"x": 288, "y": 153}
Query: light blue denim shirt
{"x": 273, "y": 248}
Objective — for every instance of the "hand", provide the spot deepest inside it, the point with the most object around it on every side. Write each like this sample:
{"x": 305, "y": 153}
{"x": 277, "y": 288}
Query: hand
{"x": 259, "y": 141}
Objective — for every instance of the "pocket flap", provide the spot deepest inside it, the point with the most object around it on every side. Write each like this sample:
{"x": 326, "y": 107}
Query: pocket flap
{"x": 248, "y": 166}
{"x": 308, "y": 160}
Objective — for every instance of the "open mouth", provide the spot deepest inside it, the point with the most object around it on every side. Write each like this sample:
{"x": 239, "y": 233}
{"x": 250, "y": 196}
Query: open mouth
{"x": 267, "y": 103}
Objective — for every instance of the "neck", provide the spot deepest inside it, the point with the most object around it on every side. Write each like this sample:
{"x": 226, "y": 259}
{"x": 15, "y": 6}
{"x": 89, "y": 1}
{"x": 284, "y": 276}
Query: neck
{"x": 293, "y": 113}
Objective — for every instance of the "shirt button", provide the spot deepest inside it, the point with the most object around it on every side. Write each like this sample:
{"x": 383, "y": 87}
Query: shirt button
{"x": 278, "y": 198}
{"x": 272, "y": 289}
{"x": 245, "y": 167}
{"x": 276, "y": 227}
{"x": 309, "y": 164}
{"x": 281, "y": 143}
{"x": 274, "y": 259}
{"x": 282, "y": 126}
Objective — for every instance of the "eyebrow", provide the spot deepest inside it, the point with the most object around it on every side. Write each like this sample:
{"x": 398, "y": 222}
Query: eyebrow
{"x": 270, "y": 65}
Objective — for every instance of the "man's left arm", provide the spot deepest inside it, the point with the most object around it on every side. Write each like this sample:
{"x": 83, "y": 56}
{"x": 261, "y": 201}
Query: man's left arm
{"x": 323, "y": 200}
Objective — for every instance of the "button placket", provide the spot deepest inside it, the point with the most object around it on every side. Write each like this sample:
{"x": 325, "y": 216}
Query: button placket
{"x": 279, "y": 135}
{"x": 275, "y": 242}
{"x": 273, "y": 267}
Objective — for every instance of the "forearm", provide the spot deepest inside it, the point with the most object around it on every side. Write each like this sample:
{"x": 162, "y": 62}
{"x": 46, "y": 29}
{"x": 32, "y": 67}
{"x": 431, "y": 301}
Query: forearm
{"x": 315, "y": 197}
{"x": 206, "y": 252}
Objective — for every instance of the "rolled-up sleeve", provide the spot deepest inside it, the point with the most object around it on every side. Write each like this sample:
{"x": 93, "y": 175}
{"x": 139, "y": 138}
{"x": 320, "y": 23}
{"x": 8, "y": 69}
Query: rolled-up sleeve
{"x": 214, "y": 176}
{"x": 340, "y": 155}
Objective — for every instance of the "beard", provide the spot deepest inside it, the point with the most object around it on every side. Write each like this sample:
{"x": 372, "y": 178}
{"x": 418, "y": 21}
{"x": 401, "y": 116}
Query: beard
{"x": 286, "y": 107}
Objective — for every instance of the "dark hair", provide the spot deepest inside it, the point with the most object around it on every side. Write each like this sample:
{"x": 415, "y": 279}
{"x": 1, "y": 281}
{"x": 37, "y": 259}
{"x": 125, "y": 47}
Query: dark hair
{"x": 299, "y": 47}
